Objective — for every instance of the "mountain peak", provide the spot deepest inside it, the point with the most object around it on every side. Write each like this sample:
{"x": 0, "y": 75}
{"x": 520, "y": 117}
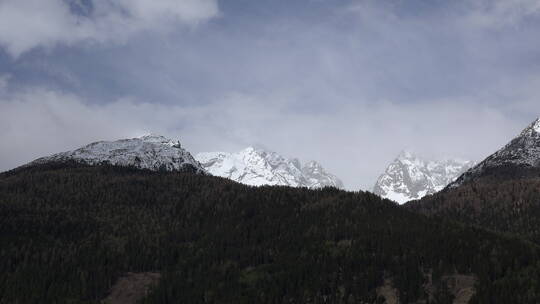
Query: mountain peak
{"x": 532, "y": 129}
{"x": 523, "y": 151}
{"x": 153, "y": 152}
{"x": 411, "y": 177}
{"x": 536, "y": 125}
{"x": 259, "y": 166}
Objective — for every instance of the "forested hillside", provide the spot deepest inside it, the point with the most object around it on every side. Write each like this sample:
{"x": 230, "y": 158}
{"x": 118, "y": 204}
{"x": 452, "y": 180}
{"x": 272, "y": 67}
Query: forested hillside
{"x": 505, "y": 199}
{"x": 68, "y": 232}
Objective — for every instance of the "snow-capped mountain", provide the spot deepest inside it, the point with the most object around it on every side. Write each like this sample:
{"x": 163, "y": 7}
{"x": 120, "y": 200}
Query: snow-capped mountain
{"x": 523, "y": 151}
{"x": 257, "y": 167}
{"x": 153, "y": 152}
{"x": 410, "y": 177}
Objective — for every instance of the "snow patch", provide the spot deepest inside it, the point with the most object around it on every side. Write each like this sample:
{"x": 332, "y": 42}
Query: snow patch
{"x": 398, "y": 197}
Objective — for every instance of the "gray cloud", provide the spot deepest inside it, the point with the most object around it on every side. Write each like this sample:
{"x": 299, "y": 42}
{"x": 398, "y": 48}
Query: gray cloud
{"x": 500, "y": 13}
{"x": 4, "y": 80}
{"x": 27, "y": 24}
{"x": 349, "y": 85}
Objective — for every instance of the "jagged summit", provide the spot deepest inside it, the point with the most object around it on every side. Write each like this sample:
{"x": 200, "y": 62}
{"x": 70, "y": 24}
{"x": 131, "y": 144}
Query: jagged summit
{"x": 521, "y": 152}
{"x": 257, "y": 166}
{"x": 533, "y": 128}
{"x": 317, "y": 177}
{"x": 536, "y": 125}
{"x": 153, "y": 152}
{"x": 411, "y": 177}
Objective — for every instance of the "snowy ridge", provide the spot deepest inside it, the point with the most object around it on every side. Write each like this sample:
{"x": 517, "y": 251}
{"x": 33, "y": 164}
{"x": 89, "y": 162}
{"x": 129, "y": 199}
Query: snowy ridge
{"x": 523, "y": 150}
{"x": 153, "y": 152}
{"x": 258, "y": 167}
{"x": 409, "y": 177}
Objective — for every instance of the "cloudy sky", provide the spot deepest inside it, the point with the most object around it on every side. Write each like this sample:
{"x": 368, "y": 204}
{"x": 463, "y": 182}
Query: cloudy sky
{"x": 349, "y": 83}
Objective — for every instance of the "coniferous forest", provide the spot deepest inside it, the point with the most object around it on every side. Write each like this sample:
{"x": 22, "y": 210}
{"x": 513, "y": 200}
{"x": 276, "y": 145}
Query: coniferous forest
{"x": 504, "y": 199}
{"x": 68, "y": 232}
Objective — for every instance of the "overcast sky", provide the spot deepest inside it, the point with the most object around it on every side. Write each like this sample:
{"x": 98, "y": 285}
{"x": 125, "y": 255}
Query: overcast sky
{"x": 347, "y": 83}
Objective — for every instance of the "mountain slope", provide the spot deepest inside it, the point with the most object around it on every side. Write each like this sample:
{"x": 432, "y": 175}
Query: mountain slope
{"x": 521, "y": 156}
{"x": 153, "y": 152}
{"x": 501, "y": 193}
{"x": 259, "y": 167}
{"x": 410, "y": 177}
{"x": 69, "y": 231}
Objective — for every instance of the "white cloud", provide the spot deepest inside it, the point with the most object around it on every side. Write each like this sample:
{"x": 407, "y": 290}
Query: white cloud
{"x": 27, "y": 24}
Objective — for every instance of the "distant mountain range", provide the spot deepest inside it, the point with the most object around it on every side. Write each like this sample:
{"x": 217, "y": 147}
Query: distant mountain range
{"x": 411, "y": 177}
{"x": 257, "y": 167}
{"x": 408, "y": 177}
{"x": 250, "y": 166}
